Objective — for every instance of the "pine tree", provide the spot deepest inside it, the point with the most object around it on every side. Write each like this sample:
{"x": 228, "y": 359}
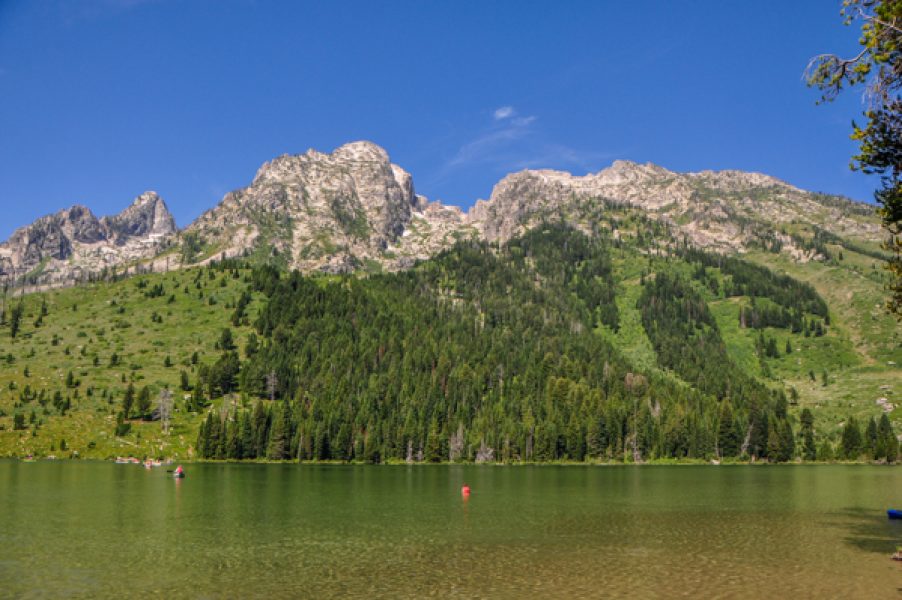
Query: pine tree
{"x": 787, "y": 442}
{"x": 15, "y": 319}
{"x": 128, "y": 401}
{"x": 341, "y": 446}
{"x": 371, "y": 452}
{"x": 203, "y": 438}
{"x": 870, "y": 439}
{"x": 247, "y": 442}
{"x": 321, "y": 449}
{"x": 887, "y": 443}
{"x": 809, "y": 451}
{"x": 280, "y": 435}
{"x": 774, "y": 442}
{"x": 758, "y": 435}
{"x": 727, "y": 439}
{"x": 261, "y": 429}
{"x": 851, "y": 439}
{"x": 825, "y": 451}
{"x": 215, "y": 436}
{"x": 233, "y": 441}
{"x": 144, "y": 402}
{"x": 434, "y": 443}
{"x": 226, "y": 341}
{"x": 594, "y": 442}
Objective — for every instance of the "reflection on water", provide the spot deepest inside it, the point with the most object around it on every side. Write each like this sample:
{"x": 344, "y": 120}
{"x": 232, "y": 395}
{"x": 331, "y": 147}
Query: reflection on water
{"x": 105, "y": 530}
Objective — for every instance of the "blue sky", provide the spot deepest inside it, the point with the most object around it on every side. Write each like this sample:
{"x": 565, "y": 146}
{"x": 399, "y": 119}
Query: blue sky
{"x": 103, "y": 99}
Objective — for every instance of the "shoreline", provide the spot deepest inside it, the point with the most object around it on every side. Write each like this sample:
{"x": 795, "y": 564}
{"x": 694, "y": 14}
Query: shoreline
{"x": 651, "y": 463}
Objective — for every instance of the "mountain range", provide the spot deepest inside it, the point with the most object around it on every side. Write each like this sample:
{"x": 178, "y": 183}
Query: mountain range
{"x": 631, "y": 314}
{"x": 353, "y": 209}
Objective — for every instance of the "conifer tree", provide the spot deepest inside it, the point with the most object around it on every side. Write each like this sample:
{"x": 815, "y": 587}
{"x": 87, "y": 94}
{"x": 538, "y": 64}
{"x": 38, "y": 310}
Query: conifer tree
{"x": 128, "y": 400}
{"x": 261, "y": 429}
{"x": 870, "y": 439}
{"x": 247, "y": 442}
{"x": 433, "y": 452}
{"x": 233, "y": 441}
{"x": 787, "y": 442}
{"x": 809, "y": 451}
{"x": 851, "y": 439}
{"x": 202, "y": 444}
{"x": 825, "y": 451}
{"x": 888, "y": 444}
{"x": 144, "y": 402}
{"x": 727, "y": 439}
{"x": 280, "y": 435}
{"x": 15, "y": 318}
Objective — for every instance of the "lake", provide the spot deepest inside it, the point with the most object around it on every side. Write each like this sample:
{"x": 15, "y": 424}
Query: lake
{"x": 93, "y": 529}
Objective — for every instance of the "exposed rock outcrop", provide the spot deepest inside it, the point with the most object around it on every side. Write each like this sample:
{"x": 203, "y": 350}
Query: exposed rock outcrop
{"x": 147, "y": 217}
{"x": 72, "y": 243}
{"x": 725, "y": 211}
{"x": 333, "y": 212}
{"x": 354, "y": 209}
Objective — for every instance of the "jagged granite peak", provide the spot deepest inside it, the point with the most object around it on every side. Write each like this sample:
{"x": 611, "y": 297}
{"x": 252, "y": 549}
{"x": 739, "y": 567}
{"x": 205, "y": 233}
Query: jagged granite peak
{"x": 148, "y": 216}
{"x": 332, "y": 212}
{"x": 354, "y": 209}
{"x": 720, "y": 210}
{"x": 69, "y": 244}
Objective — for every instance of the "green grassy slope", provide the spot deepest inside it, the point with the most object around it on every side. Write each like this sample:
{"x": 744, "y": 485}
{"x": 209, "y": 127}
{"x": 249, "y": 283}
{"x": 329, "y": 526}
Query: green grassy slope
{"x": 85, "y": 326}
{"x": 89, "y": 324}
{"x": 861, "y": 352}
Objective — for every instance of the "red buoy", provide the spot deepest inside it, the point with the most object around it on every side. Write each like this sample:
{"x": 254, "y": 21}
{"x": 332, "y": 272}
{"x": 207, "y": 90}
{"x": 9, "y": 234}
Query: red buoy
{"x": 465, "y": 491}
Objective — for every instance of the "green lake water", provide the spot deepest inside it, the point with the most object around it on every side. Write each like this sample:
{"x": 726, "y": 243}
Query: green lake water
{"x": 100, "y": 530}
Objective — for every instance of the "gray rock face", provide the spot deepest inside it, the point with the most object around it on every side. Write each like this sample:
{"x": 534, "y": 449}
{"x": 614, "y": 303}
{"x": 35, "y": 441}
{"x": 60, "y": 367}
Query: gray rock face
{"x": 725, "y": 211}
{"x": 147, "y": 217}
{"x": 330, "y": 212}
{"x": 67, "y": 245}
{"x": 354, "y": 209}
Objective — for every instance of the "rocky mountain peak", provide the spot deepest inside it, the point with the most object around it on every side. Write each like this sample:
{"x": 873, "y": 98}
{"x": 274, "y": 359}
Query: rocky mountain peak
{"x": 79, "y": 224}
{"x": 326, "y": 211}
{"x": 65, "y": 245}
{"x": 148, "y": 216}
{"x": 353, "y": 208}
{"x": 361, "y": 151}
{"x": 741, "y": 180}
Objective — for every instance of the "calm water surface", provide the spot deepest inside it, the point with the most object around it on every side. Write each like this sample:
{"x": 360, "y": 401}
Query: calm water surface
{"x": 97, "y": 530}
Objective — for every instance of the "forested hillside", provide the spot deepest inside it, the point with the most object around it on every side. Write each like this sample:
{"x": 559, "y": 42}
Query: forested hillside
{"x": 531, "y": 350}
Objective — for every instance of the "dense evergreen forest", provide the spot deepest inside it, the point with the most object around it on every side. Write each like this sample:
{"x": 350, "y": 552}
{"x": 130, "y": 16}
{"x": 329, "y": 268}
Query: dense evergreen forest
{"x": 554, "y": 346}
{"x": 492, "y": 353}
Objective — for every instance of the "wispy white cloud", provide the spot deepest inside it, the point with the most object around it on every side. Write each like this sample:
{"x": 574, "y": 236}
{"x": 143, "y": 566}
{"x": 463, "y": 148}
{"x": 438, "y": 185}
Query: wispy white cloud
{"x": 514, "y": 143}
{"x": 488, "y": 143}
{"x": 504, "y": 112}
